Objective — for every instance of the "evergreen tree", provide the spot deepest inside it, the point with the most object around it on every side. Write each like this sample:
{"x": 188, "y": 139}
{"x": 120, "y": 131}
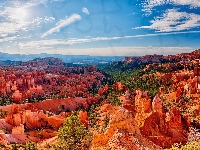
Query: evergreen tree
{"x": 72, "y": 134}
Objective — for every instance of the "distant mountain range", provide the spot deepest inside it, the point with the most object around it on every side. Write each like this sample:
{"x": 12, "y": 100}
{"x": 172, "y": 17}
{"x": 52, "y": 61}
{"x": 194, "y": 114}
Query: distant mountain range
{"x": 76, "y": 59}
{"x": 15, "y": 59}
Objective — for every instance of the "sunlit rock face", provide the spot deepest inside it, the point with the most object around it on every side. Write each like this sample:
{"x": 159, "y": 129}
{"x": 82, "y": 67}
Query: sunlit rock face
{"x": 142, "y": 106}
{"x": 175, "y": 118}
{"x": 122, "y": 131}
{"x": 176, "y": 126}
{"x": 17, "y": 116}
{"x": 32, "y": 115}
{"x": 142, "y": 102}
{"x": 28, "y": 118}
{"x": 126, "y": 141}
{"x": 17, "y": 97}
{"x": 14, "y": 117}
{"x": 127, "y": 102}
{"x": 118, "y": 119}
{"x": 83, "y": 117}
{"x": 165, "y": 129}
{"x": 157, "y": 105}
{"x": 154, "y": 123}
{"x": 18, "y": 129}
{"x": 155, "y": 129}
{"x": 56, "y": 121}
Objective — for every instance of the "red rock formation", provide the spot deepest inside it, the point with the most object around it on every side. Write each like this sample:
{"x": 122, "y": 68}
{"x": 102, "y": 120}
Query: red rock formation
{"x": 175, "y": 118}
{"x": 127, "y": 102}
{"x": 165, "y": 130}
{"x": 56, "y": 121}
{"x": 155, "y": 129}
{"x": 142, "y": 102}
{"x": 122, "y": 131}
{"x": 197, "y": 71}
{"x": 103, "y": 90}
{"x": 18, "y": 129}
{"x": 83, "y": 117}
{"x": 17, "y": 97}
{"x": 176, "y": 125}
{"x": 119, "y": 86}
{"x": 157, "y": 105}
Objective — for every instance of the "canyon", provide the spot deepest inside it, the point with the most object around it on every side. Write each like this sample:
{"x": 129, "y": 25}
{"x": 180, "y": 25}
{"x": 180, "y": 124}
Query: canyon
{"x": 157, "y": 108}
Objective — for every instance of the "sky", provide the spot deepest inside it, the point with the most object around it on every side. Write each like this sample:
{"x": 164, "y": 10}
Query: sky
{"x": 99, "y": 27}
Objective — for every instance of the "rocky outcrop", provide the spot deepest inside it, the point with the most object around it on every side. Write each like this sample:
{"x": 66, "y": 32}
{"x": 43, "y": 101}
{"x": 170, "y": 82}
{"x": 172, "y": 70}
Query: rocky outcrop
{"x": 18, "y": 129}
{"x": 17, "y": 97}
{"x": 83, "y": 117}
{"x": 157, "y": 105}
{"x": 161, "y": 127}
{"x": 142, "y": 107}
{"x": 165, "y": 130}
{"x": 122, "y": 132}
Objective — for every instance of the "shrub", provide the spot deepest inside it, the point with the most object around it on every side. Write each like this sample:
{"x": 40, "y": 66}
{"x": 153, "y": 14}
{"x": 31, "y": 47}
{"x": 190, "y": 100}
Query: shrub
{"x": 30, "y": 146}
{"x": 72, "y": 134}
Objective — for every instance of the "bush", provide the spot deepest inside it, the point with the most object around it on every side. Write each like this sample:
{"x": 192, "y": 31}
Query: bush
{"x": 194, "y": 145}
{"x": 30, "y": 146}
{"x": 72, "y": 134}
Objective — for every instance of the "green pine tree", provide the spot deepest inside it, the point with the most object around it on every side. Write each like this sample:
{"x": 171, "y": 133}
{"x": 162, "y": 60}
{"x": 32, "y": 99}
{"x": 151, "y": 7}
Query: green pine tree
{"x": 72, "y": 134}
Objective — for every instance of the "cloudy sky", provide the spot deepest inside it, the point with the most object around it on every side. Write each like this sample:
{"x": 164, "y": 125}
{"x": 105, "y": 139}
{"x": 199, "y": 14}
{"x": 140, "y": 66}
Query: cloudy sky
{"x": 100, "y": 27}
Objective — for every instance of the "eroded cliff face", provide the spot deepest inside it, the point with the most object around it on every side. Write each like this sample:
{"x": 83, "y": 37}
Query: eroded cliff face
{"x": 161, "y": 127}
{"x": 164, "y": 133}
{"x": 32, "y": 120}
{"x": 148, "y": 120}
{"x": 184, "y": 94}
{"x": 24, "y": 121}
{"x": 122, "y": 131}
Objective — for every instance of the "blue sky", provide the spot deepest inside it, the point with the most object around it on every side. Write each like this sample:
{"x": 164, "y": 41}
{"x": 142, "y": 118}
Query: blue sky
{"x": 100, "y": 27}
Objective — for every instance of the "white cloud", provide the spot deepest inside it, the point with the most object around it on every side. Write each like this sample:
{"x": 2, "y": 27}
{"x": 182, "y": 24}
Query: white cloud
{"x": 172, "y": 20}
{"x": 39, "y": 20}
{"x": 85, "y": 10}
{"x": 192, "y": 3}
{"x": 11, "y": 27}
{"x": 33, "y": 3}
{"x": 49, "y": 19}
{"x": 7, "y": 39}
{"x": 149, "y": 4}
{"x": 72, "y": 41}
{"x": 73, "y": 18}
{"x": 14, "y": 18}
